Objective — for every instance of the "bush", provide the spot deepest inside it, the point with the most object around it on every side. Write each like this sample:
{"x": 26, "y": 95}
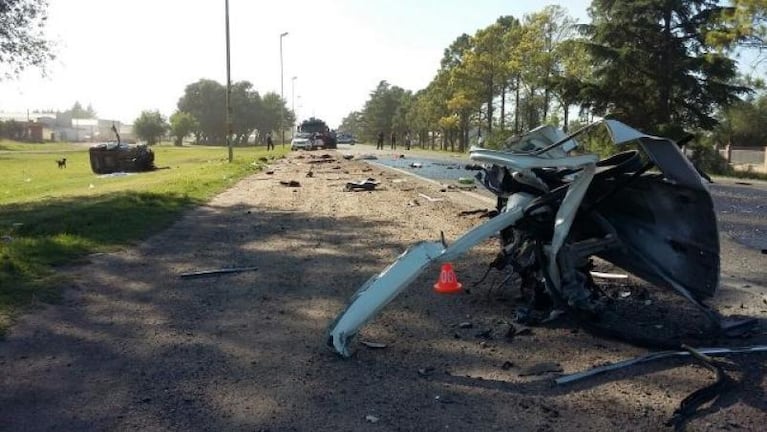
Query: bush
{"x": 708, "y": 159}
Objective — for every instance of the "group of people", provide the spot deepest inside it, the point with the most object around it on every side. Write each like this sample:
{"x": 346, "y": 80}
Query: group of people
{"x": 392, "y": 141}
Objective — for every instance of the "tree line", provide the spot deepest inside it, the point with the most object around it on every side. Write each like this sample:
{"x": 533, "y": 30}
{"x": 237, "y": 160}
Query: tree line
{"x": 202, "y": 113}
{"x": 665, "y": 67}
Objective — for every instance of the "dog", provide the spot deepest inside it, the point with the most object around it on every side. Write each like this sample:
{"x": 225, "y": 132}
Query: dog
{"x": 62, "y": 162}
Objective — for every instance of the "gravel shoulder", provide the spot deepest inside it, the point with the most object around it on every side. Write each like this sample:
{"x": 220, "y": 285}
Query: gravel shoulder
{"x": 135, "y": 347}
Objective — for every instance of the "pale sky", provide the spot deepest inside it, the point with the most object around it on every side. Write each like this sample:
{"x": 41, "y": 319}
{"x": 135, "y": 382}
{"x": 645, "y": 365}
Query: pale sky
{"x": 125, "y": 56}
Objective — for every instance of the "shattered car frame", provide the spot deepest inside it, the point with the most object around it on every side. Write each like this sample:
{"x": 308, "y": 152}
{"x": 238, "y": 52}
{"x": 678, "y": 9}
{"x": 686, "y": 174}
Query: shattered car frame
{"x": 646, "y": 210}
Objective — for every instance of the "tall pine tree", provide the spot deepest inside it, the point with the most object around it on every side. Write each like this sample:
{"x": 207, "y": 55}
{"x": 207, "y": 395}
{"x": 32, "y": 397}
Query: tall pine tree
{"x": 653, "y": 66}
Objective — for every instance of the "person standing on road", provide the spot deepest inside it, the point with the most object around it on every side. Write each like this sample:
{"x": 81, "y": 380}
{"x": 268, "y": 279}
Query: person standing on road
{"x": 393, "y": 140}
{"x": 480, "y": 140}
{"x": 269, "y": 142}
{"x": 379, "y": 143}
{"x": 407, "y": 140}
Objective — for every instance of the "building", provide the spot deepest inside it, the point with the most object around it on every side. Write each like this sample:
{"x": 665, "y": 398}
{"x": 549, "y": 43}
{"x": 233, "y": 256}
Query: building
{"x": 57, "y": 126}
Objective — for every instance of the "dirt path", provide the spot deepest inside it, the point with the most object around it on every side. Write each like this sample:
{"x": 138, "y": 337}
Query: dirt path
{"x": 135, "y": 347}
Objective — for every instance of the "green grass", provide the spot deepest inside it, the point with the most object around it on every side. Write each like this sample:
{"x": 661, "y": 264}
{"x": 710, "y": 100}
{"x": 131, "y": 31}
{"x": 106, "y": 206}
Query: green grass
{"x": 6, "y": 145}
{"x": 51, "y": 217}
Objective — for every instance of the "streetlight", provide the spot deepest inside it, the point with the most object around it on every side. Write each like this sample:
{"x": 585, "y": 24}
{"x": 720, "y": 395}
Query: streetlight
{"x": 293, "y": 97}
{"x": 228, "y": 90}
{"x": 282, "y": 96}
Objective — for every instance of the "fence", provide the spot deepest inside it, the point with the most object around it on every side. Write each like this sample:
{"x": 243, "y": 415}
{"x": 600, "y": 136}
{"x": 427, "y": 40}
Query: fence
{"x": 746, "y": 158}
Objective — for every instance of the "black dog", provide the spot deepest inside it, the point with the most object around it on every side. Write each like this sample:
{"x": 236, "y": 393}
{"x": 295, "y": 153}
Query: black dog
{"x": 62, "y": 162}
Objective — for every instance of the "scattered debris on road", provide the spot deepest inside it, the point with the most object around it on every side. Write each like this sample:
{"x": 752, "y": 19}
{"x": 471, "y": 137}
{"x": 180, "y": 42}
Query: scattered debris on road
{"x": 363, "y": 185}
{"x": 415, "y": 165}
{"x": 474, "y": 212}
{"x": 689, "y": 405}
{"x": 430, "y": 199}
{"x": 373, "y": 345}
{"x": 291, "y": 183}
{"x": 541, "y": 369}
{"x": 567, "y": 379}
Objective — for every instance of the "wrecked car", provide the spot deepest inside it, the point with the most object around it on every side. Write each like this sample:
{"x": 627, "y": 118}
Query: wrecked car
{"x": 646, "y": 209}
{"x": 111, "y": 157}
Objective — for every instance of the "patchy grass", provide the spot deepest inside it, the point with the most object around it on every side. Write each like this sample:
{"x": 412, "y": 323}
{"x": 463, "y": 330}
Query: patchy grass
{"x": 6, "y": 145}
{"x": 51, "y": 217}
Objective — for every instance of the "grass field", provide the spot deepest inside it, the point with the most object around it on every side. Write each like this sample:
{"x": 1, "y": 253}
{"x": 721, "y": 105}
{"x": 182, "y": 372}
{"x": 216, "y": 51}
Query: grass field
{"x": 51, "y": 217}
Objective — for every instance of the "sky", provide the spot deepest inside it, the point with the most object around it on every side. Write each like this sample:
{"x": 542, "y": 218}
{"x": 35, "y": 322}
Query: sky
{"x": 126, "y": 56}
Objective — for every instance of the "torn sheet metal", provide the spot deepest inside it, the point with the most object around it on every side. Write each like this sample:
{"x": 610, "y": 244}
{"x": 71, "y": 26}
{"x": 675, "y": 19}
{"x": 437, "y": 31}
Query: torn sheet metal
{"x": 381, "y": 289}
{"x": 571, "y": 378}
{"x": 558, "y": 208}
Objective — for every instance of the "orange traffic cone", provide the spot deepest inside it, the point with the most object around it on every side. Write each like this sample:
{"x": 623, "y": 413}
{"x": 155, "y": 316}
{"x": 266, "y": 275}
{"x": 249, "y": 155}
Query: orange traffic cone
{"x": 447, "y": 283}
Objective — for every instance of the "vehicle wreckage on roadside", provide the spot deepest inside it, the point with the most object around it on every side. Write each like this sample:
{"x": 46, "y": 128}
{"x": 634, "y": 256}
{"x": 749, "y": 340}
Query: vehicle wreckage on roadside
{"x": 646, "y": 209}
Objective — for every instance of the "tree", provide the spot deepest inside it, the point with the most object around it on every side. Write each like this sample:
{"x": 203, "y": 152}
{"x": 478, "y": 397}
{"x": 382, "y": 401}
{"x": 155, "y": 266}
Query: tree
{"x": 150, "y": 126}
{"x": 21, "y": 36}
{"x": 246, "y": 108}
{"x": 380, "y": 110}
{"x": 743, "y": 24}
{"x": 653, "y": 66}
{"x": 206, "y": 101}
{"x": 269, "y": 119}
{"x": 181, "y": 125}
{"x": 352, "y": 123}
{"x": 743, "y": 123}
{"x": 78, "y": 112}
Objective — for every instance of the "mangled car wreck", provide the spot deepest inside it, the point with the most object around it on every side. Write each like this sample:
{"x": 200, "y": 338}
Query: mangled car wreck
{"x": 112, "y": 157}
{"x": 645, "y": 209}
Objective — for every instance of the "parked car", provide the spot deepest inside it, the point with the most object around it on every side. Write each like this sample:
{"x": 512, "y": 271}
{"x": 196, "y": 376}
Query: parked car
{"x": 346, "y": 139}
{"x": 301, "y": 141}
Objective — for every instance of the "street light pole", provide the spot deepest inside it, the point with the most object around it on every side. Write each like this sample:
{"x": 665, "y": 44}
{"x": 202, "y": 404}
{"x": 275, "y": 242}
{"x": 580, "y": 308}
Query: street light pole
{"x": 228, "y": 90}
{"x": 293, "y": 98}
{"x": 282, "y": 96}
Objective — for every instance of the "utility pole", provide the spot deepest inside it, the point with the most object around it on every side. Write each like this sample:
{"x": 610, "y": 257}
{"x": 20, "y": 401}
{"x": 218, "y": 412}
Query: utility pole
{"x": 228, "y": 90}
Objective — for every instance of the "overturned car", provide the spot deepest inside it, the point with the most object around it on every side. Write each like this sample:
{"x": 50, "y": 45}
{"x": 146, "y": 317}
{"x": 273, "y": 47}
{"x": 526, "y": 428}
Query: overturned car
{"x": 111, "y": 157}
{"x": 645, "y": 209}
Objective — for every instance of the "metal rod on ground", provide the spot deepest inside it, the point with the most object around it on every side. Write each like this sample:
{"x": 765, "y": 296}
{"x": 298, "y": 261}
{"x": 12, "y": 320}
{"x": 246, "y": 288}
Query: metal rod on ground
{"x": 567, "y": 379}
{"x": 216, "y": 272}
